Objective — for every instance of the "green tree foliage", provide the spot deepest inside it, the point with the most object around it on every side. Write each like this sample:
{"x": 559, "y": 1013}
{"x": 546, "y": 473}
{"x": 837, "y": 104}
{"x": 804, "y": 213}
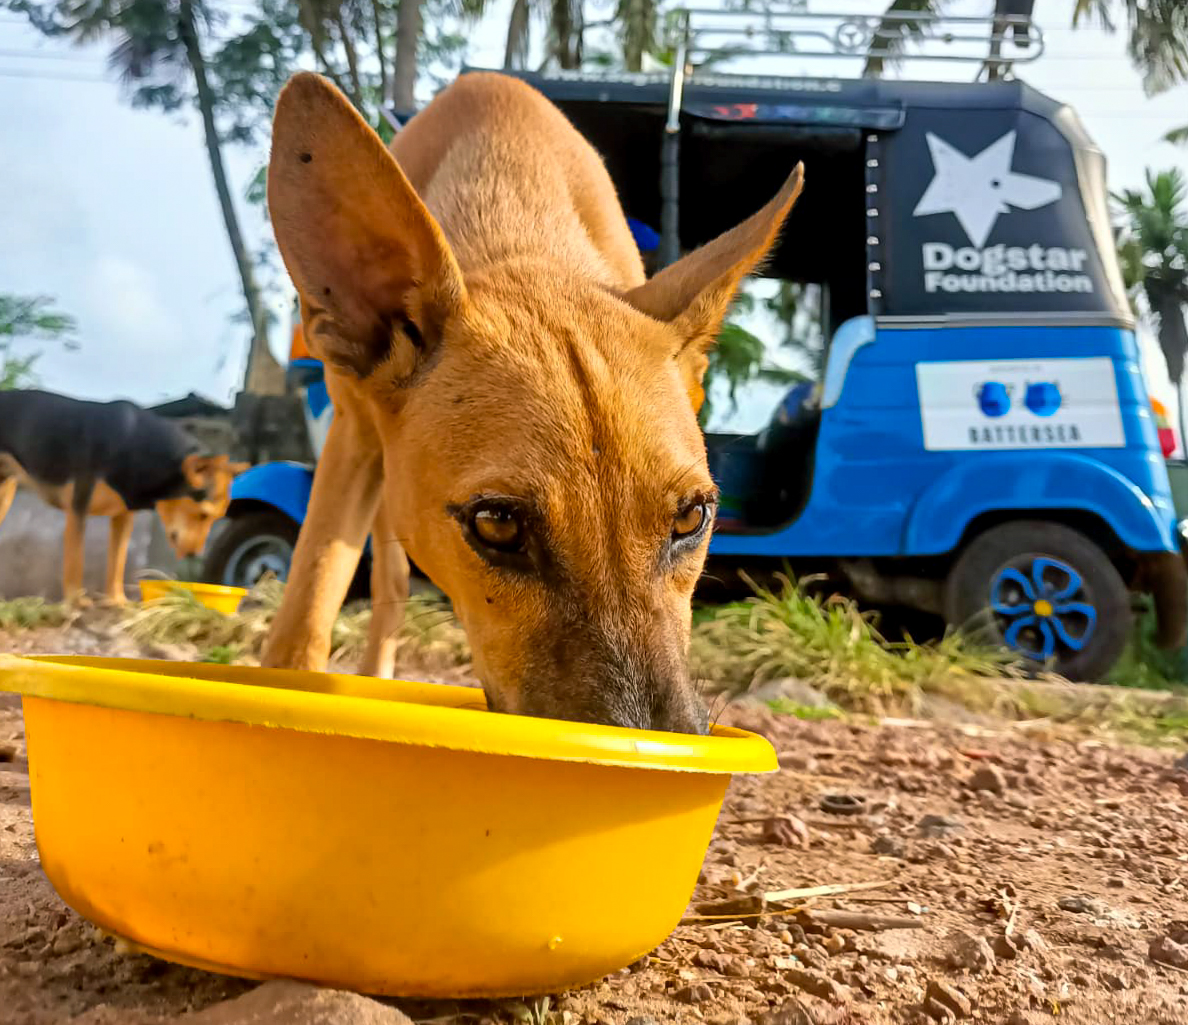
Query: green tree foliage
{"x": 1157, "y": 36}
{"x": 23, "y": 319}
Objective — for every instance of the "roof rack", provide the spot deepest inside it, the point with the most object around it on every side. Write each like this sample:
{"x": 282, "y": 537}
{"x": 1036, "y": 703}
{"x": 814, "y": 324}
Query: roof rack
{"x": 994, "y": 42}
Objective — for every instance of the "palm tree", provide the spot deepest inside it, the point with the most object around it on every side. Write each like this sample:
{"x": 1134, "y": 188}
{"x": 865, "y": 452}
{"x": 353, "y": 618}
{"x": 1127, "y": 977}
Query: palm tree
{"x": 895, "y": 33}
{"x": 156, "y": 46}
{"x": 1157, "y": 30}
{"x": 1153, "y": 248}
{"x": 1157, "y": 36}
{"x": 565, "y": 25}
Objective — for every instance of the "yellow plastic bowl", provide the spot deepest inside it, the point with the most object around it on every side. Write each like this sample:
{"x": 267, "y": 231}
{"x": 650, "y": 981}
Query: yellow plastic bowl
{"x": 214, "y": 596}
{"x": 387, "y": 837}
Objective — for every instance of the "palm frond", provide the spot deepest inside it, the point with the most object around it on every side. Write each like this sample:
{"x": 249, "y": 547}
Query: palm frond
{"x": 894, "y": 34}
{"x": 1177, "y": 136}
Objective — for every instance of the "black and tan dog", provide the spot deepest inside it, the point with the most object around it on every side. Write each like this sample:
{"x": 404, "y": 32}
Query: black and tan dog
{"x": 109, "y": 459}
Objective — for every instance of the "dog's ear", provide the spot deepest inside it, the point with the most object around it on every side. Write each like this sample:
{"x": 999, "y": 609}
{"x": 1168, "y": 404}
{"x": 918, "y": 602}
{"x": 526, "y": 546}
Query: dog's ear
{"x": 375, "y": 273}
{"x": 235, "y": 469}
{"x": 694, "y": 294}
{"x": 195, "y": 468}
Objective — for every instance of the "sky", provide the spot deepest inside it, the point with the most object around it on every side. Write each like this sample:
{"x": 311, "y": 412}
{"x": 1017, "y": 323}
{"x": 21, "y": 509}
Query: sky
{"x": 112, "y": 211}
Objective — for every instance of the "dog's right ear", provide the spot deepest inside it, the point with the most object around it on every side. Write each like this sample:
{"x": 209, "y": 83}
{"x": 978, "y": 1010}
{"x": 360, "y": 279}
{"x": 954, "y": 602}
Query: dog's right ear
{"x": 374, "y": 270}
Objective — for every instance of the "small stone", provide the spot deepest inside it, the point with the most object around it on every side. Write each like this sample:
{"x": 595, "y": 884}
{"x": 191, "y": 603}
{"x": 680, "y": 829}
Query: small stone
{"x": 293, "y": 1003}
{"x": 1165, "y": 950}
{"x": 642, "y": 1021}
{"x": 786, "y": 831}
{"x": 793, "y": 1012}
{"x": 988, "y": 778}
{"x": 736, "y": 968}
{"x": 816, "y": 984}
{"x": 1114, "y": 981}
{"x": 65, "y": 943}
{"x": 886, "y": 845}
{"x": 1116, "y": 882}
{"x": 698, "y": 993}
{"x": 798, "y": 761}
{"x": 810, "y": 956}
{"x": 970, "y": 952}
{"x": 1078, "y": 904}
{"x": 835, "y": 944}
{"x": 709, "y": 959}
{"x": 937, "y": 827}
{"x": 1004, "y": 947}
{"x": 1033, "y": 941}
{"x": 8, "y": 752}
{"x": 940, "y": 994}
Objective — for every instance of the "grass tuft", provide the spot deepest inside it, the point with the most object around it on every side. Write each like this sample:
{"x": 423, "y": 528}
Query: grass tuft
{"x": 31, "y": 613}
{"x": 837, "y": 647}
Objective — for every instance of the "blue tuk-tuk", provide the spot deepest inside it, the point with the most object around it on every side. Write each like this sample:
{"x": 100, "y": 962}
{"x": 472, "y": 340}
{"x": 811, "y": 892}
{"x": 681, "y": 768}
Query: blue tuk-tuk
{"x": 981, "y": 443}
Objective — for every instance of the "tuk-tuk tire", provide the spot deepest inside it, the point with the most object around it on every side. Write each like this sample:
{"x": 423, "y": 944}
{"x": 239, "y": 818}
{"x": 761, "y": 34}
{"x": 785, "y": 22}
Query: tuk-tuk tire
{"x": 269, "y": 523}
{"x": 1017, "y": 545}
{"x": 241, "y": 529}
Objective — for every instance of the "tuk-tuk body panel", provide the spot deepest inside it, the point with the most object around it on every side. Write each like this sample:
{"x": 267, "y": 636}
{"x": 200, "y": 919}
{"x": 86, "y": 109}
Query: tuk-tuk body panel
{"x": 878, "y": 489}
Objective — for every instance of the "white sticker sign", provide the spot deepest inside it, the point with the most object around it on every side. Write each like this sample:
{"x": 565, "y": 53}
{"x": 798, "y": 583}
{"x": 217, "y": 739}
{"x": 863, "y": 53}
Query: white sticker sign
{"x": 974, "y": 405}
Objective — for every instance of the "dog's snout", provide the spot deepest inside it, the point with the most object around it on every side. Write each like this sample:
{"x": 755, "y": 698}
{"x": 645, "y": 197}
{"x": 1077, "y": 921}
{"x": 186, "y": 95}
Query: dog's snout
{"x": 634, "y": 686}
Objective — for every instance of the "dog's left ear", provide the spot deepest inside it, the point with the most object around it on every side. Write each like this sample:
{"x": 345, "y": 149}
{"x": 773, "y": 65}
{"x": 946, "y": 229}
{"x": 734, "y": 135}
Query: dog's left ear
{"x": 235, "y": 469}
{"x": 694, "y": 294}
{"x": 375, "y": 273}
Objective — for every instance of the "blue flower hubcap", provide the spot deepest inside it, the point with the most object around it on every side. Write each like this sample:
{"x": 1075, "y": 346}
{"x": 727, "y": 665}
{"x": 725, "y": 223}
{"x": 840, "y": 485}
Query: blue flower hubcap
{"x": 1040, "y": 606}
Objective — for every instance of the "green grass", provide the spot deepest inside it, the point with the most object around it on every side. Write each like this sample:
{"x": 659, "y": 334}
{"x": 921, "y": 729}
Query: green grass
{"x": 1144, "y": 665}
{"x": 809, "y": 713}
{"x": 222, "y": 654}
{"x": 30, "y": 613}
{"x": 836, "y": 647}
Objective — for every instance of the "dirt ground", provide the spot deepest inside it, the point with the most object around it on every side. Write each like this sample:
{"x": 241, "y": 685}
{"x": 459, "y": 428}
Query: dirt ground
{"x": 1025, "y": 876}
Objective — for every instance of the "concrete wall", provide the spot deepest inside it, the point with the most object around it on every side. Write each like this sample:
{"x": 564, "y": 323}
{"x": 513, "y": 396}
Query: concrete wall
{"x": 31, "y": 549}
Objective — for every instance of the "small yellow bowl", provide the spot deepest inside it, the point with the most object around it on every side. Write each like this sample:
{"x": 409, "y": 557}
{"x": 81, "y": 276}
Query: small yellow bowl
{"x": 214, "y": 596}
{"x": 387, "y": 837}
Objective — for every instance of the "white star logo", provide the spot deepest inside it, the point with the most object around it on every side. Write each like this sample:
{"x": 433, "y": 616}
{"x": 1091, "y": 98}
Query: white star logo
{"x": 977, "y": 189}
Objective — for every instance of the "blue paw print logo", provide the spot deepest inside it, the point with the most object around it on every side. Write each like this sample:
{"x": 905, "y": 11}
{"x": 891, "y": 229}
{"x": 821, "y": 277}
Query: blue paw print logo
{"x": 1042, "y": 398}
{"x": 994, "y": 398}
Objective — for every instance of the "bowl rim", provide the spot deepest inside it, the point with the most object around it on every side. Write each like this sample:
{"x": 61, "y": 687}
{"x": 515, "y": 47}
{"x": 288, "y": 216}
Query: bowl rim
{"x": 399, "y": 711}
{"x": 194, "y": 587}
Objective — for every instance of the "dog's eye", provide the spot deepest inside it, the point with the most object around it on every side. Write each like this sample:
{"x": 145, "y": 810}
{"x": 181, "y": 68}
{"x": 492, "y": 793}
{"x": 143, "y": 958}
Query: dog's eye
{"x": 499, "y": 528}
{"x": 690, "y": 521}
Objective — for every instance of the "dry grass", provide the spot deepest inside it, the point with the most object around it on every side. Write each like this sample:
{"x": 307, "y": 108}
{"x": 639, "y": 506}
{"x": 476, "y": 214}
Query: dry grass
{"x": 431, "y": 636}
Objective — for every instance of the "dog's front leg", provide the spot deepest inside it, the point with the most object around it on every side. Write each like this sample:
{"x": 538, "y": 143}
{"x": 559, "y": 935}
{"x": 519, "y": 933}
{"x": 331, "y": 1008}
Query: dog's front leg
{"x": 73, "y": 553}
{"x": 77, "y": 505}
{"x": 342, "y": 506}
{"x": 117, "y": 557}
{"x": 389, "y": 595}
{"x": 8, "y": 490}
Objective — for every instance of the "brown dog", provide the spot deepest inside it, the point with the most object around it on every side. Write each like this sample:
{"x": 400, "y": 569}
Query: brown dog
{"x": 513, "y": 402}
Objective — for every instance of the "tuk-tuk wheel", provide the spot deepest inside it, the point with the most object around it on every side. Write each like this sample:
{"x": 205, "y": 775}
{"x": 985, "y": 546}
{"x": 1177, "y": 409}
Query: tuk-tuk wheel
{"x": 1046, "y": 592}
{"x": 252, "y": 546}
